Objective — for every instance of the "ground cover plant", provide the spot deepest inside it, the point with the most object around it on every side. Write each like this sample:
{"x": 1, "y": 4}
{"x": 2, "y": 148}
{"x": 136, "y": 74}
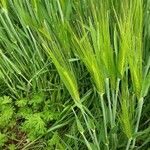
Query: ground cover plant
{"x": 74, "y": 75}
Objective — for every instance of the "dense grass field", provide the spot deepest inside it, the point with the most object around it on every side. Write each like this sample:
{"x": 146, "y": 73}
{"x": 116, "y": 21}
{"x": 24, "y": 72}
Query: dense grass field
{"x": 74, "y": 74}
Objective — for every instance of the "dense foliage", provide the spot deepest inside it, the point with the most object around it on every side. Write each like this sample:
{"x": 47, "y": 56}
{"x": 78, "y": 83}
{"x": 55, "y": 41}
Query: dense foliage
{"x": 74, "y": 74}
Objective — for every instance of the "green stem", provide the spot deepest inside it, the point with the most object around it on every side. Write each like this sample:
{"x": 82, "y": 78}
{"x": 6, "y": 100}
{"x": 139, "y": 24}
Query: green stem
{"x": 110, "y": 112}
{"x": 87, "y": 124}
{"x": 109, "y": 102}
{"x": 140, "y": 106}
{"x": 128, "y": 144}
{"x": 86, "y": 141}
{"x": 105, "y": 121}
{"x": 96, "y": 141}
{"x": 115, "y": 99}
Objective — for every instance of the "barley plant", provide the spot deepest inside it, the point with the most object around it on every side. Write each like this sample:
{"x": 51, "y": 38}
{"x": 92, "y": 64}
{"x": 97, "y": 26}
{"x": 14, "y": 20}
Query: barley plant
{"x": 74, "y": 74}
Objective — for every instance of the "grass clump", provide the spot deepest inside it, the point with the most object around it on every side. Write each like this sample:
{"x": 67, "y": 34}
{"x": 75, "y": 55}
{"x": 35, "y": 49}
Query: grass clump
{"x": 74, "y": 74}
